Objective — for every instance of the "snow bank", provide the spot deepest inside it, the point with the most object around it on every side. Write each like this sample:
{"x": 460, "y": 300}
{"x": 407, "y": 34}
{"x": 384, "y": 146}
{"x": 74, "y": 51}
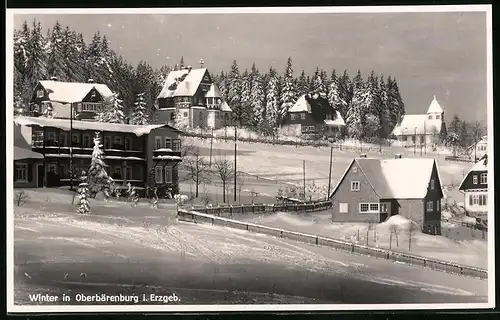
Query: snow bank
{"x": 446, "y": 214}
{"x": 399, "y": 221}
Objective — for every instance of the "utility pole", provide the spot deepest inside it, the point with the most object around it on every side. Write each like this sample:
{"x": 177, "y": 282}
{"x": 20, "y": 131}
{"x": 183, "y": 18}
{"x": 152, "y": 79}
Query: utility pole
{"x": 71, "y": 172}
{"x": 304, "y": 176}
{"x": 415, "y": 142}
{"x": 235, "y": 154}
{"x": 330, "y": 174}
{"x": 211, "y": 144}
{"x": 197, "y": 175}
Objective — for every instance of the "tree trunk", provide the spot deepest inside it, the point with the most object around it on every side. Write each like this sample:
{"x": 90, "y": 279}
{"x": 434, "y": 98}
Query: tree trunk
{"x": 224, "y": 191}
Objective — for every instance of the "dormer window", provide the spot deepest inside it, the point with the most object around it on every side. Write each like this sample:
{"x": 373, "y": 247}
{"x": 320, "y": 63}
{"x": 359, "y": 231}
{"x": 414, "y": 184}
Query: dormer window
{"x": 39, "y": 93}
{"x": 430, "y": 117}
{"x": 438, "y": 117}
{"x": 303, "y": 116}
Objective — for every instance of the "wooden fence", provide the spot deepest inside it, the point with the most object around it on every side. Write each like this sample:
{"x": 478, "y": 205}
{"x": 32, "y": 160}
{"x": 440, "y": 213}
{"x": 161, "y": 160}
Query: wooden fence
{"x": 452, "y": 158}
{"x": 226, "y": 211}
{"x": 342, "y": 245}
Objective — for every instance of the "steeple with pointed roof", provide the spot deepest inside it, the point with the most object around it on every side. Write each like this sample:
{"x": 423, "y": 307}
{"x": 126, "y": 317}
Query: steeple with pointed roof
{"x": 435, "y": 107}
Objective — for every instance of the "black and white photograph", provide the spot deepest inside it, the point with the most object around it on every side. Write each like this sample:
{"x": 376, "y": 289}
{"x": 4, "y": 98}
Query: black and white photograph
{"x": 249, "y": 159}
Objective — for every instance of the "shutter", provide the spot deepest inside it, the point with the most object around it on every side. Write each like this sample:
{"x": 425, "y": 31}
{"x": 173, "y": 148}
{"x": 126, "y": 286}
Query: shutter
{"x": 30, "y": 172}
{"x": 470, "y": 199}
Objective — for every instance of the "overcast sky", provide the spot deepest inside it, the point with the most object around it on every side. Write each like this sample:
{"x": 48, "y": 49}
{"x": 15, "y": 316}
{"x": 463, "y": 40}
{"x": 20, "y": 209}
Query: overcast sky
{"x": 429, "y": 53}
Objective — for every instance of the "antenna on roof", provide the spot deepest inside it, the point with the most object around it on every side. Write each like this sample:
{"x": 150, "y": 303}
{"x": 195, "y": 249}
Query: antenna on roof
{"x": 202, "y": 62}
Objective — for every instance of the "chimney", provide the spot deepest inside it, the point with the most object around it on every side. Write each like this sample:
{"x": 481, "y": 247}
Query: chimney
{"x": 90, "y": 80}
{"x": 189, "y": 68}
{"x": 397, "y": 156}
{"x": 53, "y": 78}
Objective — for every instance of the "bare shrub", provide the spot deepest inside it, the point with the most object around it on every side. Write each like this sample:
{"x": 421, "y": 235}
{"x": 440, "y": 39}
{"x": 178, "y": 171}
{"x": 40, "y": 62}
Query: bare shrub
{"x": 20, "y": 198}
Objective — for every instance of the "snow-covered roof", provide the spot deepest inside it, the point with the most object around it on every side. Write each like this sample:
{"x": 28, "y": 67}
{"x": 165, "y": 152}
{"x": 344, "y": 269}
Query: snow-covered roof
{"x": 301, "y": 105}
{"x": 339, "y": 121}
{"x": 64, "y": 124}
{"x": 188, "y": 82}
{"x": 416, "y": 124}
{"x": 434, "y": 107}
{"x": 213, "y": 92}
{"x": 21, "y": 154}
{"x": 481, "y": 165}
{"x": 70, "y": 92}
{"x": 396, "y": 178}
{"x": 484, "y": 140}
{"x": 225, "y": 107}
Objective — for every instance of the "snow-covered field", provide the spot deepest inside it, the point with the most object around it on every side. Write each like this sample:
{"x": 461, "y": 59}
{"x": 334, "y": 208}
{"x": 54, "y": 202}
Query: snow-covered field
{"x": 285, "y": 163}
{"x": 119, "y": 244}
{"x": 457, "y": 244}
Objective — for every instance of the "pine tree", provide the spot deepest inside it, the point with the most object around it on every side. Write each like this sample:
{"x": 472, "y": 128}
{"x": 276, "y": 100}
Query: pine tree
{"x": 246, "y": 102}
{"x": 384, "y": 111}
{"x": 222, "y": 84}
{"x": 139, "y": 112}
{"x": 113, "y": 112}
{"x": 36, "y": 65}
{"x": 56, "y": 46}
{"x": 98, "y": 179}
{"x": 146, "y": 83}
{"x": 288, "y": 93}
{"x": 257, "y": 99}
{"x": 83, "y": 194}
{"x": 358, "y": 111}
{"x": 345, "y": 93}
{"x": 334, "y": 94}
{"x": 395, "y": 104}
{"x": 272, "y": 101}
{"x": 373, "y": 109}
{"x": 93, "y": 57}
{"x": 181, "y": 63}
{"x": 318, "y": 84}
{"x": 235, "y": 93}
{"x": 325, "y": 83}
{"x": 302, "y": 84}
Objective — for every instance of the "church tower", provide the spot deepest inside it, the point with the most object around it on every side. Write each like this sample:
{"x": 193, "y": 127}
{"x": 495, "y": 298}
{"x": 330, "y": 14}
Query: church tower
{"x": 435, "y": 117}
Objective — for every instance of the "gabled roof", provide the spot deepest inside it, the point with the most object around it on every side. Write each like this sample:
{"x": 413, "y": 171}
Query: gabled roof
{"x": 416, "y": 124}
{"x": 182, "y": 83}
{"x": 22, "y": 154}
{"x": 434, "y": 107}
{"x": 301, "y": 105}
{"x": 213, "y": 92}
{"x": 225, "y": 107}
{"x": 339, "y": 121}
{"x": 396, "y": 178}
{"x": 71, "y": 92}
{"x": 480, "y": 166}
{"x": 65, "y": 124}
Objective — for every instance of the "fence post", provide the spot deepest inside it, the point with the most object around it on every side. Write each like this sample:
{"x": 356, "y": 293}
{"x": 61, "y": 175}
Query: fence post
{"x": 282, "y": 233}
{"x": 316, "y": 240}
{"x": 247, "y": 227}
{"x": 253, "y": 208}
{"x": 213, "y": 221}
{"x": 352, "y": 249}
{"x": 231, "y": 210}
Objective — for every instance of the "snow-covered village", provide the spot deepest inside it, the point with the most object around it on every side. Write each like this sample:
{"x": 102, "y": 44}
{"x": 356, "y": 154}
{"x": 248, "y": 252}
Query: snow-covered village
{"x": 216, "y": 173}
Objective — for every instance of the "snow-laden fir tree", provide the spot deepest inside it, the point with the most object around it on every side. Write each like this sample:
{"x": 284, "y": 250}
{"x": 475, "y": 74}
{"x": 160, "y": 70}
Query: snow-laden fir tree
{"x": 319, "y": 84}
{"x": 288, "y": 93}
{"x": 302, "y": 85}
{"x": 36, "y": 63}
{"x": 356, "y": 115}
{"x": 386, "y": 125}
{"x": 246, "y": 103}
{"x": 83, "y": 194}
{"x": 272, "y": 101}
{"x": 373, "y": 109}
{"x": 113, "y": 112}
{"x": 234, "y": 92}
{"x": 345, "y": 93}
{"x": 55, "y": 48}
{"x": 257, "y": 99}
{"x": 98, "y": 178}
{"x": 395, "y": 102}
{"x": 139, "y": 114}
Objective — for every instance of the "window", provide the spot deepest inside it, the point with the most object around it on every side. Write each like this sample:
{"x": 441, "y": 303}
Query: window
{"x": 107, "y": 143}
{"x": 118, "y": 140}
{"x": 478, "y": 200}
{"x": 293, "y": 116}
{"x": 218, "y": 101}
{"x": 303, "y": 116}
{"x": 93, "y": 95}
{"x": 438, "y": 117}
{"x": 127, "y": 143}
{"x": 383, "y": 207}
{"x": 168, "y": 143}
{"x": 21, "y": 173}
{"x": 37, "y": 138}
{"x": 158, "y": 174}
{"x": 432, "y": 184}
{"x": 168, "y": 174}
{"x": 118, "y": 172}
{"x": 483, "y": 200}
{"x": 343, "y": 207}
{"x": 354, "y": 169}
{"x": 430, "y": 117}
{"x": 62, "y": 139}
{"x": 176, "y": 145}
{"x": 306, "y": 129}
{"x": 52, "y": 168}
{"x": 210, "y": 100}
{"x": 39, "y": 93}
{"x": 90, "y": 107}
{"x": 430, "y": 205}
{"x": 62, "y": 170}
{"x": 86, "y": 141}
{"x": 157, "y": 142}
{"x": 438, "y": 205}
{"x": 484, "y": 178}
{"x": 172, "y": 116}
{"x": 369, "y": 208}
{"x": 51, "y": 138}
{"x": 474, "y": 179}
{"x": 185, "y": 114}
{"x": 75, "y": 139}
{"x": 355, "y": 186}
{"x": 127, "y": 174}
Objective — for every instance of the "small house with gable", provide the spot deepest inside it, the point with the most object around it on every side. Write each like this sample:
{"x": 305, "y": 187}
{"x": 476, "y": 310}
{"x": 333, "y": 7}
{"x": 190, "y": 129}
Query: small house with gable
{"x": 371, "y": 190}
{"x": 84, "y": 100}
{"x": 475, "y": 189}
